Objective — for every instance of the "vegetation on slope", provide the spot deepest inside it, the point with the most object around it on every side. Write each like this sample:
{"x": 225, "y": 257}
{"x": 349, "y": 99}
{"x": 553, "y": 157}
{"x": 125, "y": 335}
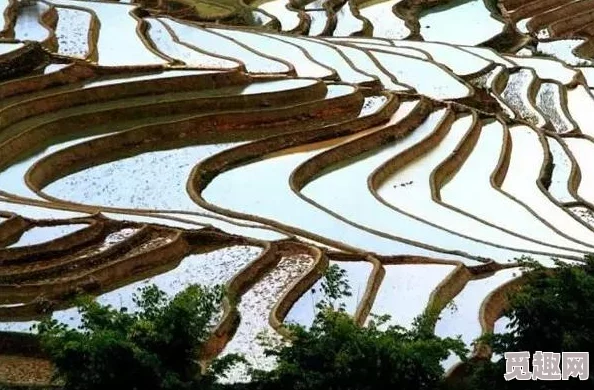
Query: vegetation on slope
{"x": 552, "y": 312}
{"x": 152, "y": 348}
{"x": 336, "y": 353}
{"x": 155, "y": 348}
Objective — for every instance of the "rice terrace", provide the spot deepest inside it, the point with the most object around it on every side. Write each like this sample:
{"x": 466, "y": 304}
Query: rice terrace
{"x": 422, "y": 146}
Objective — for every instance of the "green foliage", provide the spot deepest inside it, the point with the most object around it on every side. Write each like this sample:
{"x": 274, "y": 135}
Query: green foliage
{"x": 337, "y": 354}
{"x": 554, "y": 309}
{"x": 334, "y": 287}
{"x": 552, "y": 312}
{"x": 153, "y": 348}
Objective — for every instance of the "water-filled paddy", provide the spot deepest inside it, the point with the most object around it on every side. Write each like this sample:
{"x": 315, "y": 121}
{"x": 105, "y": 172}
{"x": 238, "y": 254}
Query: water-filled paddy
{"x": 229, "y": 225}
{"x": 144, "y": 77}
{"x": 260, "y": 18}
{"x": 385, "y": 22}
{"x": 549, "y": 101}
{"x": 520, "y": 182}
{"x": 319, "y": 20}
{"x": 410, "y": 190}
{"x": 517, "y": 94}
{"x": 476, "y": 173}
{"x": 584, "y": 214}
{"x": 169, "y": 45}
{"x": 488, "y": 54}
{"x": 152, "y": 180}
{"x": 588, "y": 73}
{"x": 289, "y": 19}
{"x": 357, "y": 274}
{"x": 209, "y": 269}
{"x": 561, "y": 175}
{"x": 304, "y": 65}
{"x": 281, "y": 204}
{"x": 478, "y": 26}
{"x": 219, "y": 45}
{"x": 3, "y": 6}
{"x": 8, "y": 47}
{"x": 358, "y": 40}
{"x": 563, "y": 49}
{"x": 426, "y": 77}
{"x": 546, "y": 68}
{"x": 462, "y": 316}
{"x": 12, "y": 178}
{"x": 409, "y": 51}
{"x": 501, "y": 324}
{"x": 72, "y": 31}
{"x": 316, "y": 4}
{"x": 101, "y": 180}
{"x": 346, "y": 22}
{"x": 331, "y": 58}
{"x": 255, "y": 308}
{"x": 580, "y": 104}
{"x": 350, "y": 197}
{"x": 430, "y": 204}
{"x": 44, "y": 234}
{"x": 366, "y": 63}
{"x": 38, "y": 212}
{"x": 28, "y": 26}
{"x": 583, "y": 151}
{"x": 119, "y": 43}
{"x": 405, "y": 290}
{"x": 459, "y": 61}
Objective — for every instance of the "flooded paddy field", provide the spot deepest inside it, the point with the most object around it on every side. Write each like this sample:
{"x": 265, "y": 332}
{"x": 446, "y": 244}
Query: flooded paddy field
{"x": 421, "y": 157}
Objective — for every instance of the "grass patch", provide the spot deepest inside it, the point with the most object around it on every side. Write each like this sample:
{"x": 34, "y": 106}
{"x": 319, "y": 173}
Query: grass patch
{"x": 213, "y": 10}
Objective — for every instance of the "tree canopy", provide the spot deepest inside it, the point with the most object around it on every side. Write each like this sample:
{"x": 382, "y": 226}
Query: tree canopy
{"x": 553, "y": 311}
{"x": 335, "y": 353}
{"x": 154, "y": 347}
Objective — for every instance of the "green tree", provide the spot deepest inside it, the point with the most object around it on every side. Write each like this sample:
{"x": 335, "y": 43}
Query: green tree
{"x": 335, "y": 286}
{"x": 153, "y": 348}
{"x": 552, "y": 312}
{"x": 338, "y": 354}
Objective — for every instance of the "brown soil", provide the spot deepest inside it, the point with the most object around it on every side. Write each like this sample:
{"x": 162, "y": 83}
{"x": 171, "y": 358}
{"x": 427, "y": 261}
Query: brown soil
{"x": 24, "y": 370}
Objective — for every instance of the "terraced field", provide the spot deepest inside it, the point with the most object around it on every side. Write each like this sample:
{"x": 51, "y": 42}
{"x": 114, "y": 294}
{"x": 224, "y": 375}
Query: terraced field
{"x": 145, "y": 143}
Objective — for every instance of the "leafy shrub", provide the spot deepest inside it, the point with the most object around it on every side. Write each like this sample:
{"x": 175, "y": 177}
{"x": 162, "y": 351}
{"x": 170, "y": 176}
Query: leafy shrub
{"x": 337, "y": 354}
{"x": 153, "y": 348}
{"x": 552, "y": 312}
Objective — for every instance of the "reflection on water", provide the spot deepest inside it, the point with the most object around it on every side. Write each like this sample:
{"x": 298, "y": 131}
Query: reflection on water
{"x": 462, "y": 316}
{"x": 405, "y": 291}
{"x": 357, "y": 275}
{"x": 474, "y": 23}
{"x": 40, "y": 235}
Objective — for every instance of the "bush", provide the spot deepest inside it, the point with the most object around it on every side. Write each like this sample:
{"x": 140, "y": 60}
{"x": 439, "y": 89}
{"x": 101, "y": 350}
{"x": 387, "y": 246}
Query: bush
{"x": 552, "y": 312}
{"x": 337, "y": 354}
{"x": 153, "y": 348}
